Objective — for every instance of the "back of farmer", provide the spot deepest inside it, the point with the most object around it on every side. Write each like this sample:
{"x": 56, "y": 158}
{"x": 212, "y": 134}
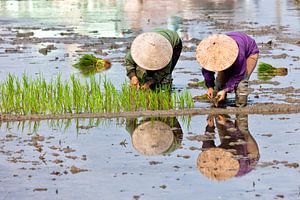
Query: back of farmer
{"x": 152, "y": 58}
{"x": 233, "y": 56}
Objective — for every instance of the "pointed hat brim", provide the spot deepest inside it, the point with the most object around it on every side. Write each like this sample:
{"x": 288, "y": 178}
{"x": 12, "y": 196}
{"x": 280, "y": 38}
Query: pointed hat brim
{"x": 151, "y": 51}
{"x": 217, "y": 52}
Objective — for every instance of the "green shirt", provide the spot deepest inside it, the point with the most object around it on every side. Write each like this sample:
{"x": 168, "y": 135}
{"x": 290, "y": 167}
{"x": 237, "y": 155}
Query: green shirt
{"x": 159, "y": 76}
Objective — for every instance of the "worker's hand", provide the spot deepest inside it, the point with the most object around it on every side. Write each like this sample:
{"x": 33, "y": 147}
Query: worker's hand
{"x": 134, "y": 82}
{"x": 221, "y": 119}
{"x": 146, "y": 86}
{"x": 221, "y": 95}
{"x": 210, "y": 120}
{"x": 210, "y": 93}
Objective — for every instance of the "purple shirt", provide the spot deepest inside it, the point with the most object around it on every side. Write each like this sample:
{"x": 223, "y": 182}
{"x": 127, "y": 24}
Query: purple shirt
{"x": 241, "y": 151}
{"x": 237, "y": 71}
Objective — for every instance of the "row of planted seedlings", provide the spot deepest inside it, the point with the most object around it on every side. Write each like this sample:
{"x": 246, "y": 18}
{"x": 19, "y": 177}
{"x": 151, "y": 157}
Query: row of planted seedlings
{"x": 25, "y": 95}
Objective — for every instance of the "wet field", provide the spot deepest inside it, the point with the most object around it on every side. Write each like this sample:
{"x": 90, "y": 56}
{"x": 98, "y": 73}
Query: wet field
{"x": 104, "y": 158}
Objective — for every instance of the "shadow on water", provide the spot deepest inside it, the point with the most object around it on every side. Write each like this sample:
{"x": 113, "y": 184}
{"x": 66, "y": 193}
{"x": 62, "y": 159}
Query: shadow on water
{"x": 236, "y": 155}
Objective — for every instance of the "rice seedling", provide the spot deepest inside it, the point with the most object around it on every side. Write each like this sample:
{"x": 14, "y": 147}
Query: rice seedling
{"x": 266, "y": 71}
{"x": 196, "y": 84}
{"x": 37, "y": 96}
{"x": 201, "y": 98}
{"x": 89, "y": 64}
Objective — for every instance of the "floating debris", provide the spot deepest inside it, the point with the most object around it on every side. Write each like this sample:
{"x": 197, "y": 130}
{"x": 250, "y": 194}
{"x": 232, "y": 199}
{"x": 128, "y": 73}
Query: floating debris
{"x": 75, "y": 170}
{"x": 40, "y": 189}
{"x": 25, "y": 34}
{"x": 47, "y": 49}
{"x": 68, "y": 150}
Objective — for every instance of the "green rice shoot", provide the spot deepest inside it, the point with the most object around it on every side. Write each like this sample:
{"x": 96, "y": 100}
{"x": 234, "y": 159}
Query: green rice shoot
{"x": 23, "y": 96}
{"x": 265, "y": 68}
{"x": 88, "y": 64}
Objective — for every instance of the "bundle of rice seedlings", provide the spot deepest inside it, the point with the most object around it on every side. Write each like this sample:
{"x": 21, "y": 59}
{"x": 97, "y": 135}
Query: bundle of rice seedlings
{"x": 196, "y": 84}
{"x": 267, "y": 71}
{"x": 203, "y": 98}
{"x": 89, "y": 64}
{"x": 200, "y": 98}
{"x": 267, "y": 68}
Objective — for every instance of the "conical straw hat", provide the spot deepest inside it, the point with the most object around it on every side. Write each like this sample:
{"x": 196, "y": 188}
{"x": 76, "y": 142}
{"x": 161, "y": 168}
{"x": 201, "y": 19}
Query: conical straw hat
{"x": 151, "y": 51}
{"x": 217, "y": 52}
{"x": 217, "y": 164}
{"x": 152, "y": 138}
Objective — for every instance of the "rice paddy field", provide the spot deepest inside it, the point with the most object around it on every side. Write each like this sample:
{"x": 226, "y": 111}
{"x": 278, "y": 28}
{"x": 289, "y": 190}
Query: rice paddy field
{"x": 208, "y": 156}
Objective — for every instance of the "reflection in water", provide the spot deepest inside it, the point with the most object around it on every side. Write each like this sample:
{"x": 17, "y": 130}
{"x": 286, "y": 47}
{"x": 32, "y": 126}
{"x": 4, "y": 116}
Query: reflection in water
{"x": 61, "y": 125}
{"x": 155, "y": 136}
{"x": 114, "y": 18}
{"x": 237, "y": 153}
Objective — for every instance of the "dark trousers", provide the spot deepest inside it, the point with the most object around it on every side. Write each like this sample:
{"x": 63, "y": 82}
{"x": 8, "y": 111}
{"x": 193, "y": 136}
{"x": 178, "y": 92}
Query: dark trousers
{"x": 176, "y": 54}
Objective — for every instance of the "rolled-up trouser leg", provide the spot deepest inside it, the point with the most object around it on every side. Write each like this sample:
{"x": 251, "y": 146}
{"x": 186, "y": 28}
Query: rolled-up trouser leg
{"x": 242, "y": 123}
{"x": 242, "y": 91}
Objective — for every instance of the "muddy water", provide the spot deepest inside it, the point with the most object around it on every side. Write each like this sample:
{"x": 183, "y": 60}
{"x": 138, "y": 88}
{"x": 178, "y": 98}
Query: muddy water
{"x": 114, "y": 160}
{"x": 106, "y": 29}
{"x": 50, "y": 160}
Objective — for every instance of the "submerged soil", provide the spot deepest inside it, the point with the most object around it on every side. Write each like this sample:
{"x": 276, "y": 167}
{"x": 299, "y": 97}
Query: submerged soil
{"x": 259, "y": 108}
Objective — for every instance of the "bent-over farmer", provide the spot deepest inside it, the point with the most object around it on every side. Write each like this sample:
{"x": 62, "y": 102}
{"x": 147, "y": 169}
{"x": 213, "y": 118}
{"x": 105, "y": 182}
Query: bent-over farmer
{"x": 152, "y": 58}
{"x": 233, "y": 56}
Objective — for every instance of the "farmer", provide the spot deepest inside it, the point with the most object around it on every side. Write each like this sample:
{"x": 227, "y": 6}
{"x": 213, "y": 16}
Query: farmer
{"x": 156, "y": 136}
{"x": 152, "y": 58}
{"x": 233, "y": 56}
{"x": 236, "y": 155}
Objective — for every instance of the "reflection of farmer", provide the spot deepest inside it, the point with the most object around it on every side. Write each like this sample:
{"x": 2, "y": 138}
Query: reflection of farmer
{"x": 234, "y": 57}
{"x": 236, "y": 155}
{"x": 155, "y": 136}
{"x": 152, "y": 58}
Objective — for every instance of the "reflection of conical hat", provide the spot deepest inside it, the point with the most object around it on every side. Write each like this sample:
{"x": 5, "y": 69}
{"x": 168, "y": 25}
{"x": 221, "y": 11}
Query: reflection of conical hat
{"x": 152, "y": 138}
{"x": 217, "y": 52}
{"x": 151, "y": 51}
{"x": 217, "y": 164}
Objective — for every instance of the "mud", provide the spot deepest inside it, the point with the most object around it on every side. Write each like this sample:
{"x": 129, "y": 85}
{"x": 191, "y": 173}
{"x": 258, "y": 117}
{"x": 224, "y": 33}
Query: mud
{"x": 258, "y": 108}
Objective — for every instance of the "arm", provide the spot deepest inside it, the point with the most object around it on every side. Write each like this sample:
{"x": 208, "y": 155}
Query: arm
{"x": 237, "y": 72}
{"x": 130, "y": 66}
{"x": 209, "y": 133}
{"x": 209, "y": 78}
{"x": 131, "y": 70}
